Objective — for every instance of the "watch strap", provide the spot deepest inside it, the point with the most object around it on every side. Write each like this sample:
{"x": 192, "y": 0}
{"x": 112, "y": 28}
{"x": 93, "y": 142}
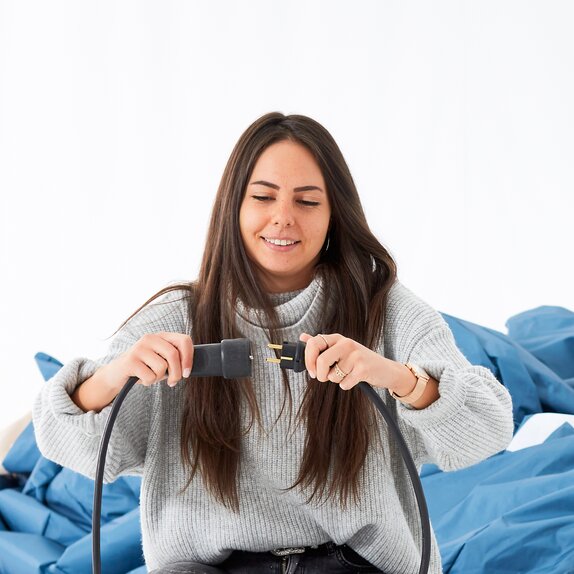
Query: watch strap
{"x": 422, "y": 380}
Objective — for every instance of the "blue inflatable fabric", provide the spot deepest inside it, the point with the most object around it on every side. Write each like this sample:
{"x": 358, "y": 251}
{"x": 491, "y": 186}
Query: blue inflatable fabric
{"x": 515, "y": 511}
{"x": 535, "y": 387}
{"x": 548, "y": 333}
{"x": 46, "y": 512}
{"x": 511, "y": 513}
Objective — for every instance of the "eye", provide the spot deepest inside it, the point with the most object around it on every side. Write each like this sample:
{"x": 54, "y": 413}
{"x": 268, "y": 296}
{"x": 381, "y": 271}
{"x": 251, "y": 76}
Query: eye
{"x": 309, "y": 203}
{"x": 261, "y": 197}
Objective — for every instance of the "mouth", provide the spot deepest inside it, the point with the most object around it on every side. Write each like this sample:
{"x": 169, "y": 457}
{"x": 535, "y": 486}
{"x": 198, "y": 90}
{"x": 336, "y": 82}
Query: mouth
{"x": 280, "y": 244}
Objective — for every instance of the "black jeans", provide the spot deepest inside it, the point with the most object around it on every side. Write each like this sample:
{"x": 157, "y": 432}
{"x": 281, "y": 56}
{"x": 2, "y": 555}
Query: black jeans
{"x": 328, "y": 558}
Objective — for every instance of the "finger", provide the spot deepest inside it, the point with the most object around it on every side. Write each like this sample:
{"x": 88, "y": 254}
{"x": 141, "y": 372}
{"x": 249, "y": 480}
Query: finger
{"x": 304, "y": 337}
{"x": 184, "y": 344}
{"x": 171, "y": 347}
{"x": 337, "y": 349}
{"x": 170, "y": 354}
{"x": 325, "y": 362}
{"x": 323, "y": 353}
{"x": 314, "y": 347}
{"x": 347, "y": 383}
{"x": 145, "y": 375}
{"x": 343, "y": 378}
{"x": 155, "y": 362}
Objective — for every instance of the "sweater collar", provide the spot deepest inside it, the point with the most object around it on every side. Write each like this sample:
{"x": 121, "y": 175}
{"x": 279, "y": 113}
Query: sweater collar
{"x": 298, "y": 311}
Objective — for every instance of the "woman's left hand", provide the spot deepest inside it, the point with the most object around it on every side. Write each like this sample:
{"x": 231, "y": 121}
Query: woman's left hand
{"x": 332, "y": 357}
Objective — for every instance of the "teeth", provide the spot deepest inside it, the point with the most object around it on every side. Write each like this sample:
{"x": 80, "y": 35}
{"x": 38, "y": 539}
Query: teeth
{"x": 280, "y": 241}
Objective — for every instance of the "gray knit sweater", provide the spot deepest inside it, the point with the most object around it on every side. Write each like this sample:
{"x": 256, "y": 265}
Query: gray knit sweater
{"x": 471, "y": 420}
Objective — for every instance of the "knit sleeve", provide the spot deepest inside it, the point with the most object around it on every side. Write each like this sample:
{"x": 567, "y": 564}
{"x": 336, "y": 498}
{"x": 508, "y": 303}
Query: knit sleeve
{"x": 71, "y": 437}
{"x": 472, "y": 418}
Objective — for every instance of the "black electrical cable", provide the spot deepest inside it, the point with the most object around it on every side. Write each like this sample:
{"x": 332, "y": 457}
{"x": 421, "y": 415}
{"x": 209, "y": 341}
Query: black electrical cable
{"x": 413, "y": 473}
{"x": 98, "y": 484}
{"x": 293, "y": 357}
{"x": 232, "y": 359}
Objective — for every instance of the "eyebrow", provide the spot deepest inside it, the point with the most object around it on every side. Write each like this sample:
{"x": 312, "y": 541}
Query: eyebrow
{"x": 275, "y": 186}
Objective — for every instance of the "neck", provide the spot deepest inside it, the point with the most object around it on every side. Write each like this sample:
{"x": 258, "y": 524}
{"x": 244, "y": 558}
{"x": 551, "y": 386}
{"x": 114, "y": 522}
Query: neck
{"x": 274, "y": 284}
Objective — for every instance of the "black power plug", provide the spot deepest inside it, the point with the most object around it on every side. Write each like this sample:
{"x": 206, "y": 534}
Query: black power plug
{"x": 292, "y": 356}
{"x": 230, "y": 359}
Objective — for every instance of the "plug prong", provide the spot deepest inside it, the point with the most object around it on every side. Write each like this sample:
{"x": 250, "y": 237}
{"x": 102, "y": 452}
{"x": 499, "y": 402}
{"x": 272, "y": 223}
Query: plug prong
{"x": 274, "y": 361}
{"x": 273, "y": 346}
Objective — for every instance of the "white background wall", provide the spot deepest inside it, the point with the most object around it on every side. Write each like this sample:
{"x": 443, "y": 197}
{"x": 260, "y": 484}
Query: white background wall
{"x": 117, "y": 119}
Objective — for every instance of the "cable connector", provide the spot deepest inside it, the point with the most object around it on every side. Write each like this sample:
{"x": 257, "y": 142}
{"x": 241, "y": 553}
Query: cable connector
{"x": 292, "y": 356}
{"x": 230, "y": 359}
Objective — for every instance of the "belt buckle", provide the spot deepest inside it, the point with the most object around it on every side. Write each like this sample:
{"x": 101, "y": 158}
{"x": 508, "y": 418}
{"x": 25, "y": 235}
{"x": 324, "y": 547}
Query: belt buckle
{"x": 287, "y": 551}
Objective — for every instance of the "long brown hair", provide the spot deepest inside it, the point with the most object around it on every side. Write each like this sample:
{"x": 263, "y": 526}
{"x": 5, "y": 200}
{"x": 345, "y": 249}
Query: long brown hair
{"x": 360, "y": 272}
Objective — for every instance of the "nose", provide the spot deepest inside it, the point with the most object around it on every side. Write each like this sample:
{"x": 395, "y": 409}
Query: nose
{"x": 283, "y": 212}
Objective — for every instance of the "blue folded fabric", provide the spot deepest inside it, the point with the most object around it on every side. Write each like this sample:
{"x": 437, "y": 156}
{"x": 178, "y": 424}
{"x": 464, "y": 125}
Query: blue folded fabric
{"x": 51, "y": 511}
{"x": 40, "y": 478}
{"x": 121, "y": 549}
{"x": 72, "y": 495}
{"x": 547, "y": 332}
{"x": 511, "y": 513}
{"x": 534, "y": 387}
{"x": 22, "y": 553}
{"x": 47, "y": 364}
{"x": 24, "y": 453}
{"x": 8, "y": 481}
{"x": 23, "y": 513}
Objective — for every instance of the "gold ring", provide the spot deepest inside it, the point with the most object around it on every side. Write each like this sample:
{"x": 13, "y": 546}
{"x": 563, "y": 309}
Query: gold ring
{"x": 319, "y": 335}
{"x": 339, "y": 371}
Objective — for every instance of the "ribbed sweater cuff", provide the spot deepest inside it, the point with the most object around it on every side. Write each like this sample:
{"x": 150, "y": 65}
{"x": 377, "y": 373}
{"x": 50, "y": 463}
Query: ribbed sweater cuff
{"x": 60, "y": 389}
{"x": 452, "y": 390}
{"x": 469, "y": 422}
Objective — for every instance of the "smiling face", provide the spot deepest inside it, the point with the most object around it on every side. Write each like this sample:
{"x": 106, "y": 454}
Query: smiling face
{"x": 284, "y": 216}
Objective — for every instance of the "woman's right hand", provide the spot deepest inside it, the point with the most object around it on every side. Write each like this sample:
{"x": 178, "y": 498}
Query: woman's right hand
{"x": 153, "y": 358}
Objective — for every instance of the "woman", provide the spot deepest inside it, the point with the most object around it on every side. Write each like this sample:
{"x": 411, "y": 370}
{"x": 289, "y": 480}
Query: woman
{"x": 284, "y": 471}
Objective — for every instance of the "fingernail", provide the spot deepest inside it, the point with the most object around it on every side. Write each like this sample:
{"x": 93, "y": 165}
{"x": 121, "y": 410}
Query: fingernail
{"x": 186, "y": 373}
{"x": 312, "y": 374}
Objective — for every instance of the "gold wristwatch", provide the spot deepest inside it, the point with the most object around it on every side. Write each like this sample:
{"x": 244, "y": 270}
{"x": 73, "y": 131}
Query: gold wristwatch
{"x": 422, "y": 380}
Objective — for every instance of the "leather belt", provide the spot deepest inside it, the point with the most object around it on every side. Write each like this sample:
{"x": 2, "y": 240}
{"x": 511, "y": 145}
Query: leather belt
{"x": 287, "y": 551}
{"x": 301, "y": 549}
